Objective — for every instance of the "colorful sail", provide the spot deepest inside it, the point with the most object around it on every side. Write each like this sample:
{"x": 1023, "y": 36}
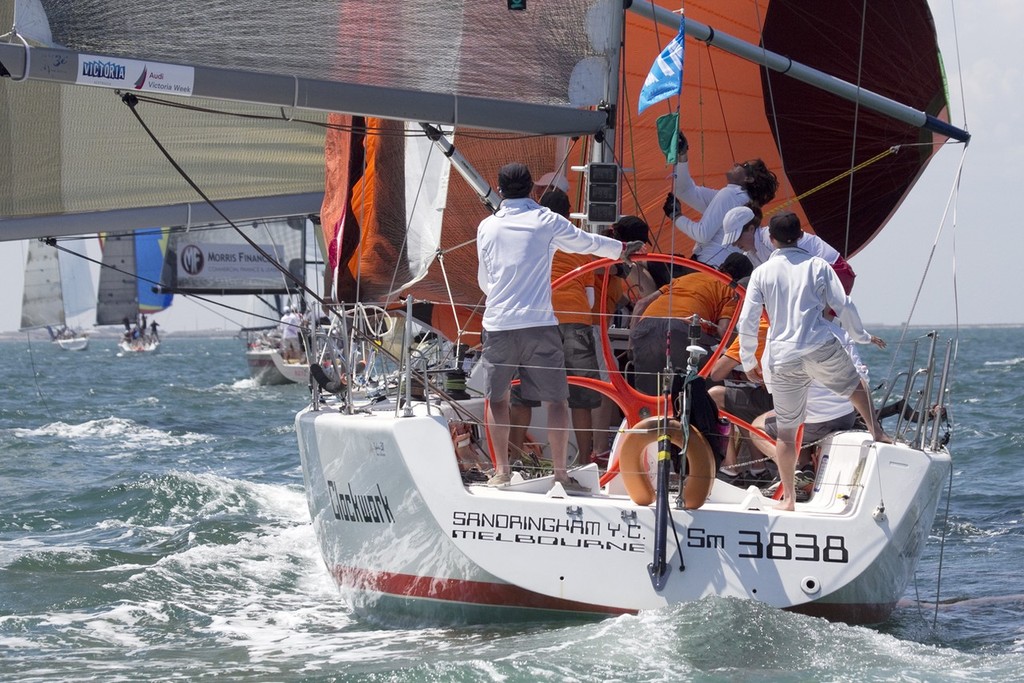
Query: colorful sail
{"x": 131, "y": 276}
{"x": 733, "y": 110}
{"x": 150, "y": 246}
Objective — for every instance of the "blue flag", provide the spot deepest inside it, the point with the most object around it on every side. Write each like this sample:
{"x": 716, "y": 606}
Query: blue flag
{"x": 666, "y": 76}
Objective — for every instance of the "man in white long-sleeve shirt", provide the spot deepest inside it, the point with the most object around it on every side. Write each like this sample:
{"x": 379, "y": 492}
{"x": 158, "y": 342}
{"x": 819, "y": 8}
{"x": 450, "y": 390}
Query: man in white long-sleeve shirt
{"x": 795, "y": 288}
{"x": 742, "y": 231}
{"x": 515, "y": 247}
{"x": 750, "y": 181}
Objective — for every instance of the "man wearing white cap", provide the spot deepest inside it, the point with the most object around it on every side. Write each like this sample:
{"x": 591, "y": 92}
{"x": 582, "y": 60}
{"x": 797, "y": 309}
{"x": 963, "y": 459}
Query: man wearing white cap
{"x": 742, "y": 232}
{"x": 549, "y": 181}
{"x": 749, "y": 181}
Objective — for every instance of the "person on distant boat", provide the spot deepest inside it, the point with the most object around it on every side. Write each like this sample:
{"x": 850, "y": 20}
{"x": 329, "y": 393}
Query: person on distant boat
{"x": 662, "y": 316}
{"x": 290, "y": 327}
{"x": 515, "y": 248}
{"x": 795, "y": 288}
{"x": 742, "y": 232}
{"x": 152, "y": 330}
{"x": 749, "y": 181}
{"x": 572, "y": 304}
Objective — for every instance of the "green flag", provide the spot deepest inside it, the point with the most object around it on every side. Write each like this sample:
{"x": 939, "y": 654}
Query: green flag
{"x": 668, "y": 136}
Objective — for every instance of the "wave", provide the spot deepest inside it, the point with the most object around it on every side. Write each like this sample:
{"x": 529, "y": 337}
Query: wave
{"x": 1011, "y": 361}
{"x": 129, "y": 433}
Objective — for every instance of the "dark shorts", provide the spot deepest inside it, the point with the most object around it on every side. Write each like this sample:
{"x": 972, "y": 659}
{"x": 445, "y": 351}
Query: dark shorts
{"x": 647, "y": 346}
{"x": 815, "y": 431}
{"x": 747, "y": 402}
{"x": 580, "y": 354}
{"x": 535, "y": 353}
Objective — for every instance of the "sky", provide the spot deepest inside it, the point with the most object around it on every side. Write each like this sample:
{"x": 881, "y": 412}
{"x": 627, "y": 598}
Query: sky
{"x": 929, "y": 266}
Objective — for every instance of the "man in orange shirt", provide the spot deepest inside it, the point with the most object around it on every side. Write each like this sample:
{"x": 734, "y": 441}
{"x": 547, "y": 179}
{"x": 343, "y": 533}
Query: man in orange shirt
{"x": 662, "y": 317}
{"x": 572, "y": 304}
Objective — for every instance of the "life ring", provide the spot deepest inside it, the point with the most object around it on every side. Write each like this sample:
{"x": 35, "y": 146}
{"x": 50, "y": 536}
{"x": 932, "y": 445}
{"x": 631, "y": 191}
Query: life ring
{"x": 700, "y": 462}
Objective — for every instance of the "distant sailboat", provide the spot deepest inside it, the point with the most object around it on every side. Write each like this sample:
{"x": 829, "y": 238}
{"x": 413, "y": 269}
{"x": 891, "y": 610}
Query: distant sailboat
{"x": 58, "y": 287}
{"x": 132, "y": 267}
{"x": 217, "y": 260}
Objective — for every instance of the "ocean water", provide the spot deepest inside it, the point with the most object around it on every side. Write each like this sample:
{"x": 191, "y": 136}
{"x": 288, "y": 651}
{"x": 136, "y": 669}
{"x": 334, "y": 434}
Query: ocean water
{"x": 153, "y": 527}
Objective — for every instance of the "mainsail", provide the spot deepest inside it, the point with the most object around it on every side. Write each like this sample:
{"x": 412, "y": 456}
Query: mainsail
{"x": 457, "y": 62}
{"x": 58, "y": 287}
{"x": 130, "y": 280}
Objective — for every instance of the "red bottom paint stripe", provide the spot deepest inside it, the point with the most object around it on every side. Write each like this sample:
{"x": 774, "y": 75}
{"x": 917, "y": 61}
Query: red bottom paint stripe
{"x": 458, "y": 590}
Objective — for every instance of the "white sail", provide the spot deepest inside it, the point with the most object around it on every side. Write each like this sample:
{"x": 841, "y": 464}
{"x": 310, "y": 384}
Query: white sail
{"x": 41, "y": 303}
{"x": 58, "y": 287}
{"x": 77, "y": 289}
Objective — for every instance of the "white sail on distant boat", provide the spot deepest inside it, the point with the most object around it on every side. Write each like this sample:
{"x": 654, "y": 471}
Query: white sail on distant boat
{"x": 404, "y": 529}
{"x": 58, "y": 288}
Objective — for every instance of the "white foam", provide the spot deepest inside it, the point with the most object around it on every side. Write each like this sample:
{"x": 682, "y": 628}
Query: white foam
{"x": 131, "y": 435}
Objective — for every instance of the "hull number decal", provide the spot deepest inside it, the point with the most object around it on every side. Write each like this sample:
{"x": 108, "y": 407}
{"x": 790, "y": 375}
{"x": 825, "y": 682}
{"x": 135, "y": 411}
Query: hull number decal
{"x": 774, "y": 545}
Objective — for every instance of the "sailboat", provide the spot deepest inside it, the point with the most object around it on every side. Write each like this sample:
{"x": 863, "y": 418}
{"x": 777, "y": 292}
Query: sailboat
{"x": 129, "y": 279}
{"x": 403, "y": 525}
{"x": 408, "y": 534}
{"x": 58, "y": 287}
{"x": 216, "y": 260}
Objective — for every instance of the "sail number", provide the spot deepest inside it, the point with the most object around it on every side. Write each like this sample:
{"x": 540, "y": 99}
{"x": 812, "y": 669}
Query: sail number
{"x": 776, "y": 545}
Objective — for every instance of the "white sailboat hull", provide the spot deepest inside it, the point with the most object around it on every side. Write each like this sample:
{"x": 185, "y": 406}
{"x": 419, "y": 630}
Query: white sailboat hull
{"x": 404, "y": 537}
{"x": 139, "y": 346}
{"x": 73, "y": 344}
{"x": 267, "y": 366}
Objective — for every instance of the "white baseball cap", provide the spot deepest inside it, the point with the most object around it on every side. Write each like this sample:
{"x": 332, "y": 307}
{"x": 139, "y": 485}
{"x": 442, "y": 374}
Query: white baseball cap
{"x": 733, "y": 223}
{"x": 549, "y": 180}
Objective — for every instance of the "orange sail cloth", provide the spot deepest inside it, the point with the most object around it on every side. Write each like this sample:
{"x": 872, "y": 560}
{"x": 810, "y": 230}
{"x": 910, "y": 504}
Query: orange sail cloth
{"x": 731, "y": 110}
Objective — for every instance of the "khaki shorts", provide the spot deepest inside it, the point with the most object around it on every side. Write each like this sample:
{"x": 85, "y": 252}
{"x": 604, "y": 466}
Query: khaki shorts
{"x": 535, "y": 353}
{"x": 829, "y": 364}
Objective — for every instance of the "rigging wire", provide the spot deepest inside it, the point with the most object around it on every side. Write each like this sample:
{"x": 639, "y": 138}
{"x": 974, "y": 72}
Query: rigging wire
{"x": 131, "y": 101}
{"x": 51, "y": 241}
{"x": 856, "y": 123}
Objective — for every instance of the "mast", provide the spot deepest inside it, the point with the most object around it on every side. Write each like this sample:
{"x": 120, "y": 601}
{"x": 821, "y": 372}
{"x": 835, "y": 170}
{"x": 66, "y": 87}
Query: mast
{"x": 813, "y": 77}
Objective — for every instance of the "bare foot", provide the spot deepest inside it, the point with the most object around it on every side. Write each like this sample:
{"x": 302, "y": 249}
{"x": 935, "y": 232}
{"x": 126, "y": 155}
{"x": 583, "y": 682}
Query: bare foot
{"x": 883, "y": 438}
{"x": 786, "y": 506}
